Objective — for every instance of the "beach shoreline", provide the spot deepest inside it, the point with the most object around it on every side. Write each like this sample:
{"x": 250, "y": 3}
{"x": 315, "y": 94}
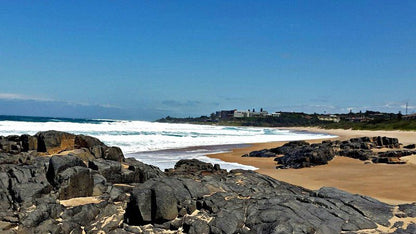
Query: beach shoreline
{"x": 392, "y": 184}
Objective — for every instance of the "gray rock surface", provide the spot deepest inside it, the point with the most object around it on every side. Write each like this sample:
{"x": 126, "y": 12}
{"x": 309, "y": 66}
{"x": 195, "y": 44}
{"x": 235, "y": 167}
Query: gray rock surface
{"x": 194, "y": 197}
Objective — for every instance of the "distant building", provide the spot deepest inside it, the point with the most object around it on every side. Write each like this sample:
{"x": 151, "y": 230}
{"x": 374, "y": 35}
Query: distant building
{"x": 259, "y": 114}
{"x": 329, "y": 118}
{"x": 241, "y": 114}
{"x": 275, "y": 114}
{"x": 358, "y": 119}
{"x": 225, "y": 114}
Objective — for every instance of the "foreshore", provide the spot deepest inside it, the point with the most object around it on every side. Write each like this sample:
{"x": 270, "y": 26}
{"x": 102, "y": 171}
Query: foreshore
{"x": 393, "y": 184}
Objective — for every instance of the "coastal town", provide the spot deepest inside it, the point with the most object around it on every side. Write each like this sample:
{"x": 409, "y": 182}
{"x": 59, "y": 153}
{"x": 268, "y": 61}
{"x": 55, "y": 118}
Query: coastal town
{"x": 372, "y": 120}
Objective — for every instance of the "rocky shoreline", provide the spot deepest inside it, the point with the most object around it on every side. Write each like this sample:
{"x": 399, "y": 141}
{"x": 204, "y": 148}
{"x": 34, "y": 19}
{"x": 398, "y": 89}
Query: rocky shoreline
{"x": 300, "y": 154}
{"x": 56, "y": 182}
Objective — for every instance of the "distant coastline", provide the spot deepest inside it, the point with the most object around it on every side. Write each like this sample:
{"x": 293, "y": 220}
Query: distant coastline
{"x": 369, "y": 120}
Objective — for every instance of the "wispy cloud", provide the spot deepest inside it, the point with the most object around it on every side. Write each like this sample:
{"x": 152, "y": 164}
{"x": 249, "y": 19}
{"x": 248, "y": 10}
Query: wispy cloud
{"x": 17, "y": 96}
{"x": 22, "y": 97}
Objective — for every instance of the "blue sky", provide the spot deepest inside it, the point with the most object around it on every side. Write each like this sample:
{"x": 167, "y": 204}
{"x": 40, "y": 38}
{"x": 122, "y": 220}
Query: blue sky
{"x": 149, "y": 59}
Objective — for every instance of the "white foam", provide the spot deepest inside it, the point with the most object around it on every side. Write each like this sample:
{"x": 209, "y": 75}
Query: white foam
{"x": 142, "y": 136}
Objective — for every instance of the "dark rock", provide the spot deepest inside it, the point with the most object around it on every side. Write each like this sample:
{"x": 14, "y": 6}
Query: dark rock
{"x": 388, "y": 160}
{"x": 261, "y": 153}
{"x": 111, "y": 170}
{"x": 53, "y": 142}
{"x": 99, "y": 184}
{"x": 139, "y": 172}
{"x": 82, "y": 141}
{"x": 195, "y": 226}
{"x": 21, "y": 184}
{"x": 58, "y": 164}
{"x": 411, "y": 146}
{"x": 159, "y": 200}
{"x": 396, "y": 153}
{"x": 165, "y": 202}
{"x": 360, "y": 154}
{"x": 386, "y": 142}
{"x": 371, "y": 208}
{"x": 29, "y": 142}
{"x": 408, "y": 209}
{"x": 306, "y": 156}
{"x": 114, "y": 153}
{"x": 194, "y": 166}
{"x": 42, "y": 213}
{"x": 288, "y": 147}
{"x": 139, "y": 209}
{"x": 225, "y": 222}
{"x": 27, "y": 183}
{"x": 116, "y": 194}
{"x": 75, "y": 182}
{"x": 95, "y": 146}
{"x": 411, "y": 229}
{"x": 238, "y": 201}
{"x": 157, "y": 205}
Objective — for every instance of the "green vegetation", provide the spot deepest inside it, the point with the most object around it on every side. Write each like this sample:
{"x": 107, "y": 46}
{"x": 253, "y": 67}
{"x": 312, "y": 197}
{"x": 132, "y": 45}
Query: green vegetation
{"x": 396, "y": 124}
{"x": 369, "y": 120}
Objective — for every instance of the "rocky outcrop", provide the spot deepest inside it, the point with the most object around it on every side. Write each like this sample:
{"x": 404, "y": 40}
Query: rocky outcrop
{"x": 54, "y": 142}
{"x": 260, "y": 154}
{"x": 306, "y": 156}
{"x": 66, "y": 194}
{"x": 299, "y": 154}
{"x": 247, "y": 202}
{"x": 411, "y": 146}
{"x": 33, "y": 183}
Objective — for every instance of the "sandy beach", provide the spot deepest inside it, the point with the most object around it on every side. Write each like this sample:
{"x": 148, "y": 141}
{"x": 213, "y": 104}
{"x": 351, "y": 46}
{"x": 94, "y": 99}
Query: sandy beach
{"x": 394, "y": 184}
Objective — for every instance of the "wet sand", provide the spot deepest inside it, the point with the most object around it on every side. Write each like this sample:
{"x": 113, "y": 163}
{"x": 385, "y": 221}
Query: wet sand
{"x": 394, "y": 184}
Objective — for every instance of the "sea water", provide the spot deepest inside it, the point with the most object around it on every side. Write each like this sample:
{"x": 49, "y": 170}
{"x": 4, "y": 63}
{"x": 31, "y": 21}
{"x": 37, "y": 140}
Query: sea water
{"x": 159, "y": 144}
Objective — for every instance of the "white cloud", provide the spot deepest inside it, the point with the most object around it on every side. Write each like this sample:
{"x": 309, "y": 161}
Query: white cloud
{"x": 17, "y": 96}
{"x": 22, "y": 97}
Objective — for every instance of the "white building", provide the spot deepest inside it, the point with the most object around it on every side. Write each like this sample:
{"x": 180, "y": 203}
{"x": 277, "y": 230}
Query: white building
{"x": 329, "y": 118}
{"x": 241, "y": 114}
{"x": 259, "y": 114}
{"x": 275, "y": 114}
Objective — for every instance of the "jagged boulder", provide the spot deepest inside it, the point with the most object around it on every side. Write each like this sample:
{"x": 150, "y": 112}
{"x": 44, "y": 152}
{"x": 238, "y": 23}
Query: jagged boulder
{"x": 132, "y": 171}
{"x": 160, "y": 200}
{"x": 53, "y": 142}
{"x": 138, "y": 172}
{"x": 59, "y": 163}
{"x": 190, "y": 166}
{"x": 289, "y": 147}
{"x": 306, "y": 156}
{"x": 386, "y": 142}
{"x": 111, "y": 170}
{"x": 22, "y": 183}
{"x": 29, "y": 142}
{"x": 114, "y": 153}
{"x": 75, "y": 182}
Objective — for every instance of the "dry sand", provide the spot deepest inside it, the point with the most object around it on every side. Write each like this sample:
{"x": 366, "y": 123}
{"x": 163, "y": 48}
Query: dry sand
{"x": 79, "y": 201}
{"x": 394, "y": 184}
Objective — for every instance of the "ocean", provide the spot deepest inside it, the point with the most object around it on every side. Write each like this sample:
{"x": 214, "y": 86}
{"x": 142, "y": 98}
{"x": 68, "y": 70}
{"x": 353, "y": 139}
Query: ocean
{"x": 159, "y": 144}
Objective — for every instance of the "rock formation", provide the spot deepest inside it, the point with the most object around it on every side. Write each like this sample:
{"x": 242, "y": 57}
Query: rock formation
{"x": 57, "y": 182}
{"x": 299, "y": 154}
